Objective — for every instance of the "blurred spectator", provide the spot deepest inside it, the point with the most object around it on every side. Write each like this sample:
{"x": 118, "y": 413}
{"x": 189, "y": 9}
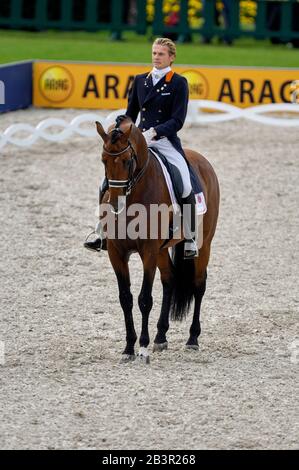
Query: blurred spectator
{"x": 227, "y": 4}
{"x": 131, "y": 11}
{"x": 172, "y": 19}
{"x": 273, "y": 14}
{"x": 226, "y": 12}
{"x": 295, "y": 24}
{"x": 273, "y": 19}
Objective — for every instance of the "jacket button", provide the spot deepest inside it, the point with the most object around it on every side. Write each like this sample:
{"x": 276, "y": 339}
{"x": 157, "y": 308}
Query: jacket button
{"x": 160, "y": 111}
{"x": 157, "y": 120}
{"x": 143, "y": 130}
{"x": 143, "y": 109}
{"x": 143, "y": 119}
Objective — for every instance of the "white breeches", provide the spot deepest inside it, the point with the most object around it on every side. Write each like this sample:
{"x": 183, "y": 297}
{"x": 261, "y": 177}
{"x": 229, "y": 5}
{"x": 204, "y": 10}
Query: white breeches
{"x": 174, "y": 157}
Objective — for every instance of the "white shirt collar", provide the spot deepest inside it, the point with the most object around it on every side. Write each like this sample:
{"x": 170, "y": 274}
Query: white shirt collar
{"x": 157, "y": 74}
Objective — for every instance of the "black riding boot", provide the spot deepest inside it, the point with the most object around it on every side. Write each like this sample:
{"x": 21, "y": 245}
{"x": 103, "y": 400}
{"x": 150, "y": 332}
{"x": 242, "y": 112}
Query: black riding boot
{"x": 189, "y": 221}
{"x": 100, "y": 243}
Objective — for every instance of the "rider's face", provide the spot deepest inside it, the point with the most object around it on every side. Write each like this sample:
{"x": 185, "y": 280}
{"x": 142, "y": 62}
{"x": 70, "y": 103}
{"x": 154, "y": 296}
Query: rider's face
{"x": 161, "y": 57}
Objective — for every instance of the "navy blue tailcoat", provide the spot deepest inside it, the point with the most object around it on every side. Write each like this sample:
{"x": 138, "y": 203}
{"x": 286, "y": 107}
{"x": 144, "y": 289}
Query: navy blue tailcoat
{"x": 163, "y": 106}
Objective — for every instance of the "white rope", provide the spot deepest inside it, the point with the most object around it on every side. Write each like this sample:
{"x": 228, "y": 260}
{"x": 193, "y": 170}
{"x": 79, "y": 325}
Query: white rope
{"x": 229, "y": 112}
{"x": 226, "y": 112}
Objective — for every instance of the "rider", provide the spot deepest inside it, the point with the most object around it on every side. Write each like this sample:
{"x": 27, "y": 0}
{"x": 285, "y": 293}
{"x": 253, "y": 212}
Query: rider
{"x": 161, "y": 97}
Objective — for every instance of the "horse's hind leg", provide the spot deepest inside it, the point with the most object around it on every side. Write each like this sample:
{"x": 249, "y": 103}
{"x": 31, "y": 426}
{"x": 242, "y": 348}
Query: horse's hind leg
{"x": 121, "y": 269}
{"x": 160, "y": 342}
{"x": 195, "y": 329}
{"x": 164, "y": 264}
{"x": 201, "y": 264}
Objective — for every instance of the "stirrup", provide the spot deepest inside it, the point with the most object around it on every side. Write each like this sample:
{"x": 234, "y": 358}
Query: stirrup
{"x": 97, "y": 245}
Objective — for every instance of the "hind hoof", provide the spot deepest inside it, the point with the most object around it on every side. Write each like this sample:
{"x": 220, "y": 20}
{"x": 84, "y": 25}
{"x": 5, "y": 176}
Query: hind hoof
{"x": 158, "y": 347}
{"x": 192, "y": 347}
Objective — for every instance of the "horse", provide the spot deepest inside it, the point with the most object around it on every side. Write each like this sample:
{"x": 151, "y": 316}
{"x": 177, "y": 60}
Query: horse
{"x": 135, "y": 176}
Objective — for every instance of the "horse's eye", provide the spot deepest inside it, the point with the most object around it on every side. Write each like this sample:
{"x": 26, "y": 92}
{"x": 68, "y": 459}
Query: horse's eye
{"x": 126, "y": 163}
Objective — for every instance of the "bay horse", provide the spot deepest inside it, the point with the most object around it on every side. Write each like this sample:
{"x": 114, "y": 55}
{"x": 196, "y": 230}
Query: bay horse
{"x": 135, "y": 174}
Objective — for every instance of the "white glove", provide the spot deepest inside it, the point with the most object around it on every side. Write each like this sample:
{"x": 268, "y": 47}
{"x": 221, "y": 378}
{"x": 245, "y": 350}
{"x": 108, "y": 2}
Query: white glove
{"x": 149, "y": 135}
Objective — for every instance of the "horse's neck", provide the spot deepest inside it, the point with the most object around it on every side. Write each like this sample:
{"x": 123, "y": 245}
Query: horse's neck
{"x": 142, "y": 153}
{"x": 151, "y": 188}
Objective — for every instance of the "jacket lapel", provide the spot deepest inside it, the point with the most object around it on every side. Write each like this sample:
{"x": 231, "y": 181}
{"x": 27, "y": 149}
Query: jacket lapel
{"x": 153, "y": 90}
{"x": 148, "y": 87}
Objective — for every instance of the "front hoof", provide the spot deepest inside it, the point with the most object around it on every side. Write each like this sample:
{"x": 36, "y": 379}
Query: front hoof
{"x": 192, "y": 347}
{"x": 143, "y": 359}
{"x": 158, "y": 347}
{"x": 143, "y": 355}
{"x": 127, "y": 358}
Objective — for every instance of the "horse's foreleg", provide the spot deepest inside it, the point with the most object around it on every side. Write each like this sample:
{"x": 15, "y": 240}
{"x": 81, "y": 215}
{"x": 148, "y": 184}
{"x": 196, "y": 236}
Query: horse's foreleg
{"x": 126, "y": 301}
{"x": 121, "y": 269}
{"x": 164, "y": 265}
{"x": 145, "y": 301}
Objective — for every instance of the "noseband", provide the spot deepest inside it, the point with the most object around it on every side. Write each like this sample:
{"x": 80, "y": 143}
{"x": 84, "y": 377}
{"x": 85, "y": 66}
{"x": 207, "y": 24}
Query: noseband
{"x": 132, "y": 180}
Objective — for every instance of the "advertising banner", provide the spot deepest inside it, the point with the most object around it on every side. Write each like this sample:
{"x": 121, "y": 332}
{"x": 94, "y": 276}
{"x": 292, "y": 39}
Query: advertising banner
{"x": 106, "y": 86}
{"x": 15, "y": 86}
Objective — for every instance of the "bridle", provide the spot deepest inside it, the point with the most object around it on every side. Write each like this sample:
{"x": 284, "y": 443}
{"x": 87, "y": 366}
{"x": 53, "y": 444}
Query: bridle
{"x": 132, "y": 178}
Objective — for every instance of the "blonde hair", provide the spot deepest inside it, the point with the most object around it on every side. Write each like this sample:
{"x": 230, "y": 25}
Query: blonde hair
{"x": 168, "y": 43}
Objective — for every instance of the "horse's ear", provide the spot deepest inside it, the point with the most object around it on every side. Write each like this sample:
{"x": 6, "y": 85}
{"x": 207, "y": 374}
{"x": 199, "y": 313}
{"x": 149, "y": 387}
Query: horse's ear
{"x": 101, "y": 131}
{"x": 126, "y": 133}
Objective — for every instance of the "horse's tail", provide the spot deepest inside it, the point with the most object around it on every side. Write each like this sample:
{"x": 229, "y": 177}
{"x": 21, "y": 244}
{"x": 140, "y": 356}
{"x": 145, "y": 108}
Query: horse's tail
{"x": 183, "y": 284}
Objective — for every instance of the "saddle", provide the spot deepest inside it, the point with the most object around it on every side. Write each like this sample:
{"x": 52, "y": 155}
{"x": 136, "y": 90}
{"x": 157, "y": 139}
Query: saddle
{"x": 176, "y": 177}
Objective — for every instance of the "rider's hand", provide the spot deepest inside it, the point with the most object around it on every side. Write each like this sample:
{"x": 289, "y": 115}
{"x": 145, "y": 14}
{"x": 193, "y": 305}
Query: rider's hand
{"x": 149, "y": 135}
{"x": 120, "y": 119}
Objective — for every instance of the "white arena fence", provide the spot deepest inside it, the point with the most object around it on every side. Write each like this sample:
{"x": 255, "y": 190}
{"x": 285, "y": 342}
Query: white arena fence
{"x": 283, "y": 115}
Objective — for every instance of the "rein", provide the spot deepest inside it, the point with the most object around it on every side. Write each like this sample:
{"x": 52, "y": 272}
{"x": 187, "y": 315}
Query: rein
{"x": 132, "y": 180}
